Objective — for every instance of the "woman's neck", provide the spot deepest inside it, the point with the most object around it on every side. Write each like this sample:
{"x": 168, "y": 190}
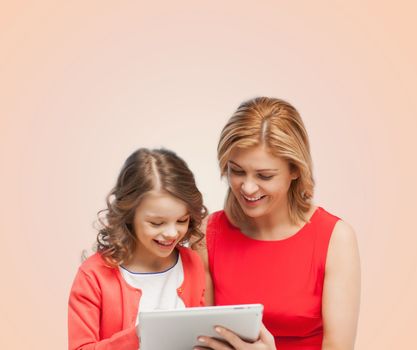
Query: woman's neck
{"x": 276, "y": 225}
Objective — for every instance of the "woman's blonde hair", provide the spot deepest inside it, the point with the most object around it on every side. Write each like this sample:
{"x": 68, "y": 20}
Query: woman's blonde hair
{"x": 277, "y": 125}
{"x": 143, "y": 171}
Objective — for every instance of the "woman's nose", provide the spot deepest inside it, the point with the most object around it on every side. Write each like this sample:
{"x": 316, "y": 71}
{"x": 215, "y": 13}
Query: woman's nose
{"x": 249, "y": 187}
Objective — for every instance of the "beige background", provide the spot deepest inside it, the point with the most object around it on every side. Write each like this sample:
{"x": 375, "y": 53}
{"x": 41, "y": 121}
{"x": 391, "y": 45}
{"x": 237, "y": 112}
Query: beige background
{"x": 84, "y": 83}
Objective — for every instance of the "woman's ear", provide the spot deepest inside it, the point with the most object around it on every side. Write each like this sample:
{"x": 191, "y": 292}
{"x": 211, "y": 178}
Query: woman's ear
{"x": 294, "y": 171}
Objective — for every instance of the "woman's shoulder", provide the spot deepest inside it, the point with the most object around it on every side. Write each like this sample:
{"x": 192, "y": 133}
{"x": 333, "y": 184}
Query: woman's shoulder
{"x": 217, "y": 215}
{"x": 342, "y": 232}
{"x": 217, "y": 219}
{"x": 343, "y": 252}
{"x": 323, "y": 221}
{"x": 216, "y": 222}
{"x": 323, "y": 214}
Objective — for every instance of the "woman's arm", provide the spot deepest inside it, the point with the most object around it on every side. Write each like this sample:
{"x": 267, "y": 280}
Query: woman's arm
{"x": 341, "y": 291}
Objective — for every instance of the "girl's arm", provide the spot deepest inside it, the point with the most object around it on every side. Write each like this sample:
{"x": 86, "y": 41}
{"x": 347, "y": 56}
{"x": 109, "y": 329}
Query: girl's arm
{"x": 201, "y": 249}
{"x": 341, "y": 291}
{"x": 84, "y": 319}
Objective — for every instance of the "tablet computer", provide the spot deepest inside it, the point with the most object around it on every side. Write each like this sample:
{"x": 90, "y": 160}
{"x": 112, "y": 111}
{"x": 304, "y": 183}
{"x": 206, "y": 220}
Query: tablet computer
{"x": 179, "y": 329}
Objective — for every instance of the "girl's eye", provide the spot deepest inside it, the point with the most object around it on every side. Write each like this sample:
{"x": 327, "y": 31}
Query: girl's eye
{"x": 156, "y": 224}
{"x": 185, "y": 221}
{"x": 265, "y": 177}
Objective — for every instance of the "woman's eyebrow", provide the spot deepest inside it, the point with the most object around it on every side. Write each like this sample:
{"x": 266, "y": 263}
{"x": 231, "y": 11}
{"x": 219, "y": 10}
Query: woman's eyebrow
{"x": 232, "y": 162}
{"x": 266, "y": 170}
{"x": 258, "y": 170}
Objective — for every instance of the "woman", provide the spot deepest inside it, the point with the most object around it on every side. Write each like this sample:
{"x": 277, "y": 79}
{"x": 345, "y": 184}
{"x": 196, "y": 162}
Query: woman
{"x": 272, "y": 245}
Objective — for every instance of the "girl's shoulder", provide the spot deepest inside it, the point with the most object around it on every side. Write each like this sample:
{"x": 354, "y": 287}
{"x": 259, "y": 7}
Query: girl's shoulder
{"x": 94, "y": 273}
{"x": 96, "y": 264}
{"x": 188, "y": 255}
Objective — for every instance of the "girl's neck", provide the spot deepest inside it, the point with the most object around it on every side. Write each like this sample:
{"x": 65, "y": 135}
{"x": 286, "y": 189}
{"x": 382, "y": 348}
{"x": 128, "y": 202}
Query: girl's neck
{"x": 142, "y": 262}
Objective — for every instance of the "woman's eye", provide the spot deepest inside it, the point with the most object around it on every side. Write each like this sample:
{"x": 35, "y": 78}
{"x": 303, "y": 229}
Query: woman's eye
{"x": 265, "y": 177}
{"x": 236, "y": 172}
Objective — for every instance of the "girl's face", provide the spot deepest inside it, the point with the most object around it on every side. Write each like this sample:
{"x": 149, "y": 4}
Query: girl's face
{"x": 259, "y": 180}
{"x": 160, "y": 222}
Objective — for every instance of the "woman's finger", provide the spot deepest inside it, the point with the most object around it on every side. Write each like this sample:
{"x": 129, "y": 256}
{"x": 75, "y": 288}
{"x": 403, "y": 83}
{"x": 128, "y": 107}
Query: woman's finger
{"x": 265, "y": 337}
{"x": 230, "y": 337}
{"x": 212, "y": 343}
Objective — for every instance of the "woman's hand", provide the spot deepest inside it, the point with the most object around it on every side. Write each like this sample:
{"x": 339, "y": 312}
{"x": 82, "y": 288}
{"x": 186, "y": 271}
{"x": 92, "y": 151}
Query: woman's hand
{"x": 265, "y": 341}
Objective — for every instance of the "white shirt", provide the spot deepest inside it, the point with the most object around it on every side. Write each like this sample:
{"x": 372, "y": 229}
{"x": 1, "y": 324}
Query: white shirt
{"x": 159, "y": 289}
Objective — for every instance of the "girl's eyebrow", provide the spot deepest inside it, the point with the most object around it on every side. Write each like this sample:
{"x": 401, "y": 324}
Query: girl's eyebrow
{"x": 186, "y": 214}
{"x": 150, "y": 216}
{"x": 257, "y": 170}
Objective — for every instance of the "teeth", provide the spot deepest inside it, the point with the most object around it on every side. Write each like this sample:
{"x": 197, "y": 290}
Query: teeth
{"x": 252, "y": 199}
{"x": 166, "y": 243}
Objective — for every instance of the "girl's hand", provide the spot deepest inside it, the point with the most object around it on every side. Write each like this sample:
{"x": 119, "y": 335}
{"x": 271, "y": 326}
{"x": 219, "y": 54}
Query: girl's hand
{"x": 265, "y": 341}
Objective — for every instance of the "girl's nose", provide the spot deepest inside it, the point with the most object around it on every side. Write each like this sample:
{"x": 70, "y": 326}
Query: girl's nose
{"x": 171, "y": 231}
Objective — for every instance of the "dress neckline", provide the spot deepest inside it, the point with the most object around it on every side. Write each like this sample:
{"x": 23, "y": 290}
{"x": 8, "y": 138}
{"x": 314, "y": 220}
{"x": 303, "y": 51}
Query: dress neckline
{"x": 302, "y": 229}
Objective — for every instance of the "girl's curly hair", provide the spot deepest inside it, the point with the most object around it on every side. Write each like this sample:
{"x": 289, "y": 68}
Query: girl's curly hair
{"x": 143, "y": 171}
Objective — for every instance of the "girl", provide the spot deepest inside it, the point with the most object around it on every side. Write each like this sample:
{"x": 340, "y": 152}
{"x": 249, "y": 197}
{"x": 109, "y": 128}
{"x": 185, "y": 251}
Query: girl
{"x": 140, "y": 263}
{"x": 272, "y": 245}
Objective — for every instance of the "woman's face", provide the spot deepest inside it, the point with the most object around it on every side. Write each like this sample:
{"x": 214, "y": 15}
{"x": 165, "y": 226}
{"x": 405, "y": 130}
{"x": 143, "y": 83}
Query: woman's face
{"x": 259, "y": 180}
